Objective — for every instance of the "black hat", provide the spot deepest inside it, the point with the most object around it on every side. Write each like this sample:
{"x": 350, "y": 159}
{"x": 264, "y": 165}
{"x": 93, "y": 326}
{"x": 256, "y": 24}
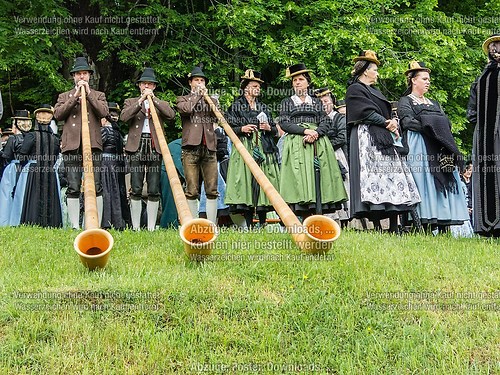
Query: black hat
{"x": 340, "y": 104}
{"x": 415, "y": 66}
{"x": 112, "y": 106}
{"x": 197, "y": 72}
{"x": 7, "y": 131}
{"x": 296, "y": 70}
{"x": 487, "y": 42}
{"x": 252, "y": 75}
{"x": 367, "y": 55}
{"x": 22, "y": 114}
{"x": 44, "y": 108}
{"x": 322, "y": 92}
{"x": 81, "y": 64}
{"x": 148, "y": 75}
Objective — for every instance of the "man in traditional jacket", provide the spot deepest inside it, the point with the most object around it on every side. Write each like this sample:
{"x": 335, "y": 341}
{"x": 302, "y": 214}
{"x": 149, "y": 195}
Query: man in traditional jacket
{"x": 199, "y": 145}
{"x": 144, "y": 148}
{"x": 69, "y": 110}
{"x": 484, "y": 113}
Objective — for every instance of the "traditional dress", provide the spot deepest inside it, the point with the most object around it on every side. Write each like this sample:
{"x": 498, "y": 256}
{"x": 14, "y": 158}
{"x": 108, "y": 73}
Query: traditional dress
{"x": 427, "y": 131}
{"x": 381, "y": 183}
{"x": 338, "y": 138}
{"x": 243, "y": 194}
{"x": 42, "y": 198}
{"x": 484, "y": 112}
{"x": 116, "y": 212}
{"x": 8, "y": 184}
{"x": 298, "y": 185}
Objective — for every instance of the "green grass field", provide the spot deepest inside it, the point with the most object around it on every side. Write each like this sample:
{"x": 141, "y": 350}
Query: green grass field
{"x": 375, "y": 304}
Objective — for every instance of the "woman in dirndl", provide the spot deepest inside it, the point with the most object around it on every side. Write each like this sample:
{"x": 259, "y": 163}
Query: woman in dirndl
{"x": 41, "y": 201}
{"x": 9, "y": 212}
{"x": 116, "y": 212}
{"x": 381, "y": 183}
{"x": 311, "y": 181}
{"x": 433, "y": 155}
{"x": 252, "y": 122}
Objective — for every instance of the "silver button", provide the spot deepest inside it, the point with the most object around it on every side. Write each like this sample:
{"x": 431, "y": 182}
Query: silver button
{"x": 74, "y": 116}
{"x": 73, "y": 125}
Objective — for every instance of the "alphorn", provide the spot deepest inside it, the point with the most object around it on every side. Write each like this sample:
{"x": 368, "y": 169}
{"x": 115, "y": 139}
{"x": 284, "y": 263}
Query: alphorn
{"x": 197, "y": 234}
{"x": 317, "y": 233}
{"x": 93, "y": 244}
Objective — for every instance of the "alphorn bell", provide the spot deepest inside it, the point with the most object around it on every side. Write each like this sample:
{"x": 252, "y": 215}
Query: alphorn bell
{"x": 93, "y": 244}
{"x": 197, "y": 234}
{"x": 317, "y": 233}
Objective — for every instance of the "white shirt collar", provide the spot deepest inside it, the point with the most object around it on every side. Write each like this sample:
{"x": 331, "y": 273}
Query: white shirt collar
{"x": 297, "y": 101}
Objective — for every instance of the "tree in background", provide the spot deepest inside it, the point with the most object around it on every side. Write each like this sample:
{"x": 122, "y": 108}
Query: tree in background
{"x": 40, "y": 39}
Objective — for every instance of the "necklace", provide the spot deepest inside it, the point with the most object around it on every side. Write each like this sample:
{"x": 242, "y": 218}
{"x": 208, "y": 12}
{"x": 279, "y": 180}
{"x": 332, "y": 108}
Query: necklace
{"x": 419, "y": 99}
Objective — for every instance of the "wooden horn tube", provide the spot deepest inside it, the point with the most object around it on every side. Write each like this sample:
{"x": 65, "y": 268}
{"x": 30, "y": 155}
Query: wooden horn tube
{"x": 93, "y": 244}
{"x": 198, "y": 235}
{"x": 317, "y": 233}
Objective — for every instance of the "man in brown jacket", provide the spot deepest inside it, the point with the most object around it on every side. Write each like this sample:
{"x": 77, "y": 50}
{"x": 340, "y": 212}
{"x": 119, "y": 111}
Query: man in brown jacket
{"x": 68, "y": 109}
{"x": 199, "y": 144}
{"x": 144, "y": 148}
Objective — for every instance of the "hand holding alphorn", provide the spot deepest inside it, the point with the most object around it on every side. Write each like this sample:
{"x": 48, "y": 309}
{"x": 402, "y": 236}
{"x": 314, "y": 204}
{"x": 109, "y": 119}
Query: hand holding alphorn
{"x": 90, "y": 200}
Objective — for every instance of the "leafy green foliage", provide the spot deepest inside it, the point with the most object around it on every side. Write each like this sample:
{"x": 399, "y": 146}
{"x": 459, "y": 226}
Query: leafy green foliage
{"x": 121, "y": 37}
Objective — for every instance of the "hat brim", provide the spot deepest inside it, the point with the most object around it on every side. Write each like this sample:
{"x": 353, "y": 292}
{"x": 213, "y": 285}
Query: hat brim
{"x": 147, "y": 80}
{"x": 298, "y": 72}
{"x": 417, "y": 70}
{"x": 320, "y": 94}
{"x": 204, "y": 77}
{"x": 251, "y": 79}
{"x": 43, "y": 110}
{"x": 82, "y": 69}
{"x": 363, "y": 58}
{"x": 488, "y": 41}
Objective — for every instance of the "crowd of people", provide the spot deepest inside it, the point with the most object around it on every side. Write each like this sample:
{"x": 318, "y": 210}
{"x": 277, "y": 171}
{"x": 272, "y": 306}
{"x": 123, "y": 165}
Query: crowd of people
{"x": 366, "y": 158}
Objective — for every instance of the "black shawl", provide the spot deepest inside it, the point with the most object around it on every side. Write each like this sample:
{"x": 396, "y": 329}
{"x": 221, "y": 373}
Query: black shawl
{"x": 362, "y": 101}
{"x": 441, "y": 148}
{"x": 240, "y": 114}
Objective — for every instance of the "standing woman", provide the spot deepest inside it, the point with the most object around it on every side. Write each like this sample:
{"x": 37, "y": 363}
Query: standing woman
{"x": 307, "y": 152}
{"x": 42, "y": 198}
{"x": 252, "y": 122}
{"x": 431, "y": 147}
{"x": 115, "y": 212}
{"x": 21, "y": 124}
{"x": 381, "y": 184}
{"x": 338, "y": 138}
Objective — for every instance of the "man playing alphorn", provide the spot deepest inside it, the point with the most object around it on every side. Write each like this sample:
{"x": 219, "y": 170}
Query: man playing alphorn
{"x": 144, "y": 148}
{"x": 69, "y": 110}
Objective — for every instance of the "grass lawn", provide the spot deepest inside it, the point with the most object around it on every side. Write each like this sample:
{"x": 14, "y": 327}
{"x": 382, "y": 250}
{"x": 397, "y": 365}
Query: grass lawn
{"x": 375, "y": 304}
